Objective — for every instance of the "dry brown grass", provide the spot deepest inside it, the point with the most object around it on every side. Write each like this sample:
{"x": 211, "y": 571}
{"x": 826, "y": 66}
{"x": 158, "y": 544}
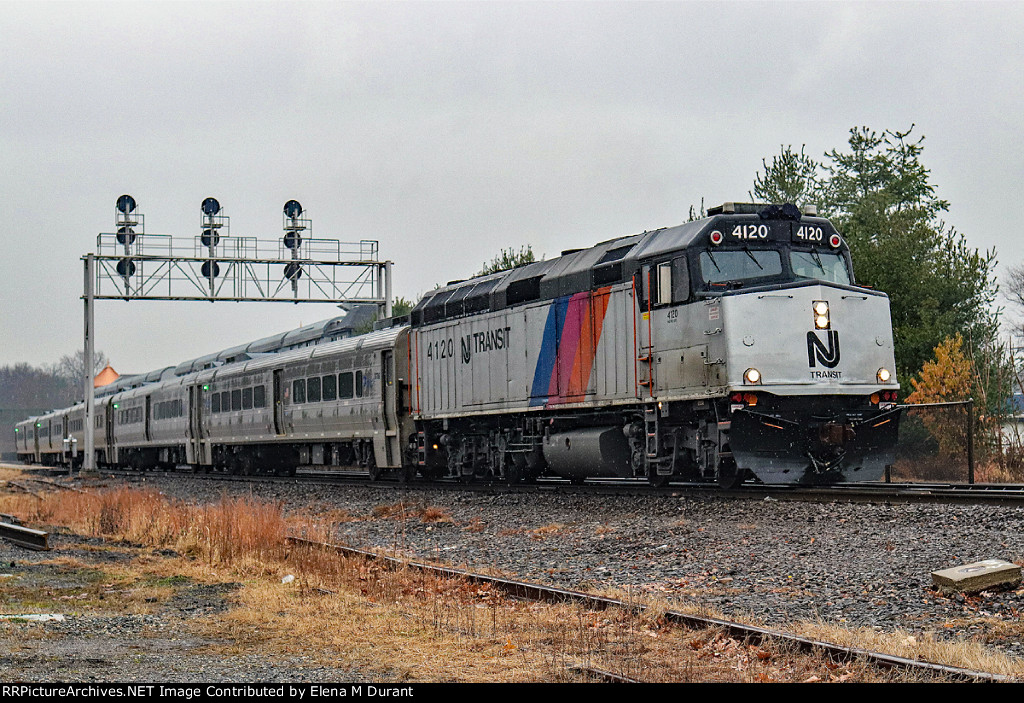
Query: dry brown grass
{"x": 404, "y": 510}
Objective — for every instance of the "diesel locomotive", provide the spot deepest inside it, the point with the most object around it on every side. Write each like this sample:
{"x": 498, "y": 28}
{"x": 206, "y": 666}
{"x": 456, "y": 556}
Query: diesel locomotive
{"x": 731, "y": 347}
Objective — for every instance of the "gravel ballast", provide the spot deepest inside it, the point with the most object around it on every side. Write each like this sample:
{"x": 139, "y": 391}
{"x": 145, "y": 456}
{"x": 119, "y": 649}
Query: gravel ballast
{"x": 779, "y": 562}
{"x": 854, "y": 564}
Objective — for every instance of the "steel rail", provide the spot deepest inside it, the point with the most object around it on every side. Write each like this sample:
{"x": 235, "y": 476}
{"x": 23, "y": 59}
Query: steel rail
{"x": 552, "y": 594}
{"x": 964, "y": 494}
{"x": 25, "y": 537}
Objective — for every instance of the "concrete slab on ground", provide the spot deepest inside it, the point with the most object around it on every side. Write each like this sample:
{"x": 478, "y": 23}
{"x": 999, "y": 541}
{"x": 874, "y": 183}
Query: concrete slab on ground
{"x": 981, "y": 575}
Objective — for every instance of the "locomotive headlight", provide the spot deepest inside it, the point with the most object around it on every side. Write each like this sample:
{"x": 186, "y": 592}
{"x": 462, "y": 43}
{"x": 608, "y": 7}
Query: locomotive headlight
{"x": 752, "y": 376}
{"x": 883, "y": 375}
{"x": 821, "y": 316}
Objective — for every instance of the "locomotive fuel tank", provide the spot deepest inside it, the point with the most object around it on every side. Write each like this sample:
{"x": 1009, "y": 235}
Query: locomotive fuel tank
{"x": 588, "y": 452}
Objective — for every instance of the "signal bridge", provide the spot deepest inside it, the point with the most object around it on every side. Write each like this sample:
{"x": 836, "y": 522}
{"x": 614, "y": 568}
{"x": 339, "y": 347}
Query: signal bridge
{"x": 130, "y": 264}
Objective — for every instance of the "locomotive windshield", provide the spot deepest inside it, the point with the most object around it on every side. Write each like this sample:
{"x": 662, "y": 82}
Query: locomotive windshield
{"x": 826, "y": 266}
{"x": 737, "y": 265}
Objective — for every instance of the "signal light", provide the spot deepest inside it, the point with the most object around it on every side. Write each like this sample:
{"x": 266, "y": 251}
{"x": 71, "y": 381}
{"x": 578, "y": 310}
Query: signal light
{"x": 292, "y": 209}
{"x": 750, "y": 399}
{"x": 205, "y": 270}
{"x": 209, "y": 237}
{"x": 125, "y": 204}
{"x": 716, "y": 237}
{"x": 293, "y": 240}
{"x": 834, "y": 241}
{"x": 210, "y": 206}
{"x": 293, "y": 271}
{"x": 126, "y": 268}
{"x": 125, "y": 235}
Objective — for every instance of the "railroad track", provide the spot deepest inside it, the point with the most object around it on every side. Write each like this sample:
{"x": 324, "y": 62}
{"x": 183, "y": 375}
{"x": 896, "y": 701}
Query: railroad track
{"x": 748, "y": 633}
{"x": 950, "y": 493}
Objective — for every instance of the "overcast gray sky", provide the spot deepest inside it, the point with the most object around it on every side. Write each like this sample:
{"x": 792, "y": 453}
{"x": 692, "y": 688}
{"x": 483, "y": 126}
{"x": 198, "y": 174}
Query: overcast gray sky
{"x": 449, "y": 131}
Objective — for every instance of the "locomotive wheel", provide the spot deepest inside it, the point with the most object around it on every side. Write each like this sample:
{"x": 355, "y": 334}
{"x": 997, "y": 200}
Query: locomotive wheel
{"x": 373, "y": 469}
{"x": 513, "y": 473}
{"x": 729, "y": 477}
{"x": 657, "y": 480}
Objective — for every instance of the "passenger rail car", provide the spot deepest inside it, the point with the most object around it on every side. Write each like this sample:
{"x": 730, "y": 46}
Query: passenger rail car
{"x": 733, "y": 346}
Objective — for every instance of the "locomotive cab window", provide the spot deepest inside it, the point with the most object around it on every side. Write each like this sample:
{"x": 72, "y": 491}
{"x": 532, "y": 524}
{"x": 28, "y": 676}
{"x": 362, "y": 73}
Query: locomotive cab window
{"x": 665, "y": 283}
{"x": 725, "y": 266}
{"x": 822, "y": 265}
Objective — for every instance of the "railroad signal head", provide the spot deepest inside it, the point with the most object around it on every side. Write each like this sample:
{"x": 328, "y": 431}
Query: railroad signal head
{"x": 293, "y": 240}
{"x": 210, "y": 207}
{"x": 125, "y": 235}
{"x": 293, "y": 272}
{"x": 292, "y": 209}
{"x": 206, "y": 268}
{"x": 126, "y": 268}
{"x": 209, "y": 237}
{"x": 125, "y": 204}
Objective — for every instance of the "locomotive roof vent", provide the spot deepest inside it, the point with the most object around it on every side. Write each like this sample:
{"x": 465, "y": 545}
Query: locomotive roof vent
{"x": 766, "y": 211}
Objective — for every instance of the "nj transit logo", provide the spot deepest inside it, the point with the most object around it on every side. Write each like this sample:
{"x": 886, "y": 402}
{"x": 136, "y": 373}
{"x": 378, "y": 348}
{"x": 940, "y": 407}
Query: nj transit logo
{"x": 817, "y": 351}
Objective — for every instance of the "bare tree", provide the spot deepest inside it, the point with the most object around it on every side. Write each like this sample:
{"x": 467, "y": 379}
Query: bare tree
{"x": 72, "y": 366}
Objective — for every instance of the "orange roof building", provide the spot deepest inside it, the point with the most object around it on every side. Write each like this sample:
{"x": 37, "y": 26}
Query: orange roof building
{"x": 105, "y": 377}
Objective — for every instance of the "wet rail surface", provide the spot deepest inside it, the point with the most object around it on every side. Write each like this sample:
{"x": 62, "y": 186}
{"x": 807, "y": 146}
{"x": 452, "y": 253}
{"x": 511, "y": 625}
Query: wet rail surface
{"x": 952, "y": 493}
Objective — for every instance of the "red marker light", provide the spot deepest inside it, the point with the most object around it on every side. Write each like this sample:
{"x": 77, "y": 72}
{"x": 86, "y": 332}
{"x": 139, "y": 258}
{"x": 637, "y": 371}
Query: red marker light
{"x": 835, "y": 241}
{"x": 717, "y": 237}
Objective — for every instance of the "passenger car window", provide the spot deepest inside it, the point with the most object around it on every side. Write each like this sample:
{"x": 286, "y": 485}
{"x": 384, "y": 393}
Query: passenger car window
{"x": 259, "y": 397}
{"x": 359, "y": 384}
{"x": 313, "y": 389}
{"x": 236, "y": 399}
{"x": 215, "y": 403}
{"x": 345, "y": 385}
{"x": 330, "y": 387}
{"x": 247, "y": 399}
{"x": 299, "y": 391}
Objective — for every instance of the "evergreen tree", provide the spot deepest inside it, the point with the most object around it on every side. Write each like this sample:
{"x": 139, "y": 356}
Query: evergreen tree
{"x": 879, "y": 195}
{"x": 509, "y": 259}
